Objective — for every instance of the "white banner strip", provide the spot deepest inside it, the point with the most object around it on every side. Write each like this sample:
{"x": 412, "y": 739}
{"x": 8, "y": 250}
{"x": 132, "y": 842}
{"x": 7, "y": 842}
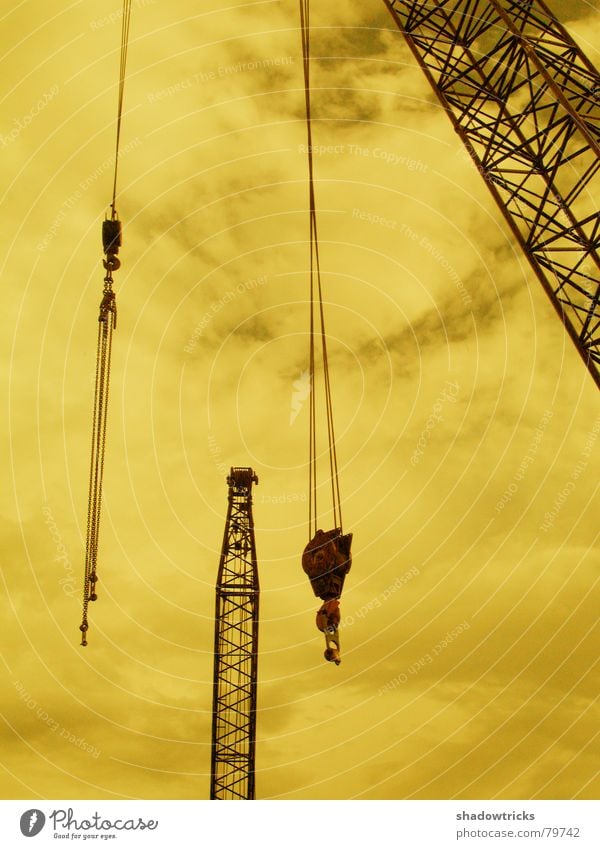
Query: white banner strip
{"x": 287, "y": 825}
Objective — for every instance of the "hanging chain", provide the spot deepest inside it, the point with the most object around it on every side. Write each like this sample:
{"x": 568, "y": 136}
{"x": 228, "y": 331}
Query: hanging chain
{"x": 107, "y": 321}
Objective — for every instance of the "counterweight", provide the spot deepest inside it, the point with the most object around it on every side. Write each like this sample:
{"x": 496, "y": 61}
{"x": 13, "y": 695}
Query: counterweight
{"x": 236, "y": 648}
{"x": 525, "y": 101}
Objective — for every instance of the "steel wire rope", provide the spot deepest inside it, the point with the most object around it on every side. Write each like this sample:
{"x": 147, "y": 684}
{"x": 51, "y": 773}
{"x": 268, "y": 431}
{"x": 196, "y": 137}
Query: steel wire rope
{"x": 125, "y": 23}
{"x": 316, "y": 305}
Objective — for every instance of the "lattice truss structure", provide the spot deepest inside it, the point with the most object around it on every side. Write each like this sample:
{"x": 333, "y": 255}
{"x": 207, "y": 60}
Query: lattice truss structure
{"x": 525, "y": 101}
{"x": 236, "y": 648}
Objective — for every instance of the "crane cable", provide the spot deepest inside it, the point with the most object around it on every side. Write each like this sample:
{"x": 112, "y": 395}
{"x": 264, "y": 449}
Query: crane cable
{"x": 123, "y": 64}
{"x": 107, "y": 322}
{"x": 316, "y": 306}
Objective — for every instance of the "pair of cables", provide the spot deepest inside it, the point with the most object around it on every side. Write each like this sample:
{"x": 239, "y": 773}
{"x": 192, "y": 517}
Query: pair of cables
{"x": 317, "y": 319}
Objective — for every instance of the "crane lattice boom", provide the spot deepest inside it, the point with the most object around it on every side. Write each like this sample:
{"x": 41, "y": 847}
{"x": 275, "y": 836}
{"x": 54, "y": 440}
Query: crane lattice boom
{"x": 236, "y": 648}
{"x": 525, "y": 101}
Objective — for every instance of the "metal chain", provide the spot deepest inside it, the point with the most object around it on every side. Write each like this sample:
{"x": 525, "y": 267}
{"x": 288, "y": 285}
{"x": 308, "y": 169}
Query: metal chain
{"x": 107, "y": 322}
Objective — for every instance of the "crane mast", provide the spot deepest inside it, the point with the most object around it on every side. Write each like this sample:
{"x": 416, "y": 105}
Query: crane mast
{"x": 236, "y": 647}
{"x": 525, "y": 101}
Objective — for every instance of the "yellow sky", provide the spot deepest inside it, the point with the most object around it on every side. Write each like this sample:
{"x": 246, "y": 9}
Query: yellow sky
{"x": 467, "y": 423}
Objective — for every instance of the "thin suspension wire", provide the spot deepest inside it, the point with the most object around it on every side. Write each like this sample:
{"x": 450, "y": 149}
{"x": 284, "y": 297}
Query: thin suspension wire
{"x": 315, "y": 274}
{"x": 125, "y": 22}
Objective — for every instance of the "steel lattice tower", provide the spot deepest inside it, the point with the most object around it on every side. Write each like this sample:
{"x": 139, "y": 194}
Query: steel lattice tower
{"x": 236, "y": 648}
{"x": 525, "y": 101}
